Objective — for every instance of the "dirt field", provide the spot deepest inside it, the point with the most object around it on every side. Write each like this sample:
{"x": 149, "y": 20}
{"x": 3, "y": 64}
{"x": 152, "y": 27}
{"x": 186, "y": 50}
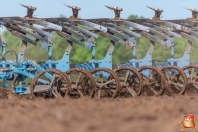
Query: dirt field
{"x": 139, "y": 114}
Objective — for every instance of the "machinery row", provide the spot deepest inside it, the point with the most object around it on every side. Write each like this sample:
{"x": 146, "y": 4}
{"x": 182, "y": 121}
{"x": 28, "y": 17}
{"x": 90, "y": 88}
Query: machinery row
{"x": 97, "y": 78}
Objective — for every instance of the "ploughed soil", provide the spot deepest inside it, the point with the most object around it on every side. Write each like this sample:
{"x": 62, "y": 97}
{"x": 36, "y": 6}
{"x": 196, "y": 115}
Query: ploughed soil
{"x": 138, "y": 114}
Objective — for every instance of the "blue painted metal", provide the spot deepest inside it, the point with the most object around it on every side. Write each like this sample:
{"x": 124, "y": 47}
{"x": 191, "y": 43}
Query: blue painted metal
{"x": 25, "y": 69}
{"x": 28, "y": 69}
{"x": 130, "y": 43}
{"x": 185, "y": 32}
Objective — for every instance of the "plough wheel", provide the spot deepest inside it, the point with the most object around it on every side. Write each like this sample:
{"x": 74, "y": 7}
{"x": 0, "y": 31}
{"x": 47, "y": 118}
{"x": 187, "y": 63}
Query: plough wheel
{"x": 154, "y": 82}
{"x": 50, "y": 83}
{"x": 176, "y": 79}
{"x": 131, "y": 81}
{"x": 83, "y": 83}
{"x": 192, "y": 77}
{"x": 107, "y": 83}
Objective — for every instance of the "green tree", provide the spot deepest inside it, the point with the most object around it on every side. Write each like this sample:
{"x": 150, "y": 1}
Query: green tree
{"x": 135, "y": 17}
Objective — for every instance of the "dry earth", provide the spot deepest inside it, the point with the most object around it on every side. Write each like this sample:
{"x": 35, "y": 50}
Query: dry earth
{"x": 139, "y": 114}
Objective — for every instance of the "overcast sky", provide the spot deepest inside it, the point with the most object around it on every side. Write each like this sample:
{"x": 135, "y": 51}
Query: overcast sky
{"x": 173, "y": 9}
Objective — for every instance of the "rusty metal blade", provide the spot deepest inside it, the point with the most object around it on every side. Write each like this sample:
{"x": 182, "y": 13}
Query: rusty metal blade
{"x": 92, "y": 25}
{"x": 152, "y": 37}
{"x": 34, "y": 28}
{"x": 136, "y": 26}
{"x": 128, "y": 31}
{"x": 167, "y": 31}
{"x": 40, "y": 31}
{"x": 23, "y": 37}
{"x": 56, "y": 20}
{"x": 114, "y": 38}
{"x": 28, "y": 32}
{"x": 175, "y": 26}
{"x": 194, "y": 28}
{"x": 175, "y": 34}
{"x": 117, "y": 32}
{"x": 75, "y": 33}
{"x": 12, "y": 18}
{"x": 160, "y": 34}
{"x": 85, "y": 31}
{"x": 193, "y": 32}
{"x": 169, "y": 40}
{"x": 69, "y": 37}
{"x": 88, "y": 41}
{"x": 48, "y": 25}
{"x": 100, "y": 20}
{"x": 190, "y": 38}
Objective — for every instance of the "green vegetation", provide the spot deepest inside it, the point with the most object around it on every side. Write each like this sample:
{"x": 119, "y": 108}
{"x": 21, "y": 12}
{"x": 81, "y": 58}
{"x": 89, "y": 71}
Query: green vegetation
{"x": 79, "y": 54}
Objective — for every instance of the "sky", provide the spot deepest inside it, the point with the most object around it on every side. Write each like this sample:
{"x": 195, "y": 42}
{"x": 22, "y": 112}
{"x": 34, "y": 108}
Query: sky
{"x": 173, "y": 9}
